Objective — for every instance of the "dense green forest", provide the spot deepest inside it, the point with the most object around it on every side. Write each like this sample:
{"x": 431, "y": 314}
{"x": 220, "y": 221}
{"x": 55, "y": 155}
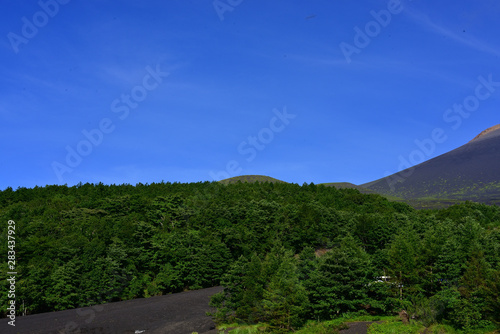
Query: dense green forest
{"x": 285, "y": 253}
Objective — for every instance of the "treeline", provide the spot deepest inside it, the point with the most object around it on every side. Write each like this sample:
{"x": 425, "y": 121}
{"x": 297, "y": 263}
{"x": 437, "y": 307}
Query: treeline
{"x": 285, "y": 253}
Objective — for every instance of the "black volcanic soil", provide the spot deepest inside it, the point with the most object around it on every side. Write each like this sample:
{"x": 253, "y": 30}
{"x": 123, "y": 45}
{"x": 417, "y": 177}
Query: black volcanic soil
{"x": 360, "y": 327}
{"x": 180, "y": 313}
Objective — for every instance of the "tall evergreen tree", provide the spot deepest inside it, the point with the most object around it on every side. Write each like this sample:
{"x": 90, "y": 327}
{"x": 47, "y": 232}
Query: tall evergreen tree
{"x": 340, "y": 283}
{"x": 284, "y": 299}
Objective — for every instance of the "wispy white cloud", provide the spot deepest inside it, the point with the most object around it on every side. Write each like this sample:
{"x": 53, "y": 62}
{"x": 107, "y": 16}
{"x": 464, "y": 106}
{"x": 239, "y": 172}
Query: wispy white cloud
{"x": 466, "y": 40}
{"x": 132, "y": 74}
{"x": 318, "y": 60}
{"x": 425, "y": 69}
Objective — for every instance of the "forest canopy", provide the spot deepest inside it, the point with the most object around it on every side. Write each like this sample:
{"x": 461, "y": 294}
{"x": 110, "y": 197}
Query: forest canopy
{"x": 285, "y": 253}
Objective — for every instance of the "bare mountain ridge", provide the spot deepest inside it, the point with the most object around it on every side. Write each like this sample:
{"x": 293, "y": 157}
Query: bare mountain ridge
{"x": 487, "y": 133}
{"x": 470, "y": 172}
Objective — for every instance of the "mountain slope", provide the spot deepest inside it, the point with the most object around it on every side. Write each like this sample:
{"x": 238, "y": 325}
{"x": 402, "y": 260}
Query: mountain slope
{"x": 470, "y": 172}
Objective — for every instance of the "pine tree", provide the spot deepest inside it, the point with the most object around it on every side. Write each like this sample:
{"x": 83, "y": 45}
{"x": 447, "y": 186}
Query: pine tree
{"x": 404, "y": 262}
{"x": 285, "y": 299}
{"x": 340, "y": 283}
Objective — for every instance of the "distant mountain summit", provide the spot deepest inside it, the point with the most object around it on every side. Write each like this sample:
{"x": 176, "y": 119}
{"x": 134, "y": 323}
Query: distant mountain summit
{"x": 251, "y": 179}
{"x": 470, "y": 172}
{"x": 493, "y": 131}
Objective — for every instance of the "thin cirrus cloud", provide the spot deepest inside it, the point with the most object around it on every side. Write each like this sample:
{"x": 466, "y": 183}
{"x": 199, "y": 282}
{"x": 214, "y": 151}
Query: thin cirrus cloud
{"x": 470, "y": 41}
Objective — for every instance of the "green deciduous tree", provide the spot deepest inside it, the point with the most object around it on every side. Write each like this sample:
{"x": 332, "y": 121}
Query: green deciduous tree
{"x": 64, "y": 292}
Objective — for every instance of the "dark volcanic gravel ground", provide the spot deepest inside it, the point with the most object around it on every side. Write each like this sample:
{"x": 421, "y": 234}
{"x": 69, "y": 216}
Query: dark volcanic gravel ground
{"x": 180, "y": 313}
{"x": 360, "y": 327}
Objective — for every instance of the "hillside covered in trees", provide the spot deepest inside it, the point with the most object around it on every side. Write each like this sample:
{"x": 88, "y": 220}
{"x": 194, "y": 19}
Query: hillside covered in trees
{"x": 285, "y": 253}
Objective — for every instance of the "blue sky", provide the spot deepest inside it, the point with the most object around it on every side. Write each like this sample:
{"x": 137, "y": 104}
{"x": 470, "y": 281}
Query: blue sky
{"x": 178, "y": 90}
